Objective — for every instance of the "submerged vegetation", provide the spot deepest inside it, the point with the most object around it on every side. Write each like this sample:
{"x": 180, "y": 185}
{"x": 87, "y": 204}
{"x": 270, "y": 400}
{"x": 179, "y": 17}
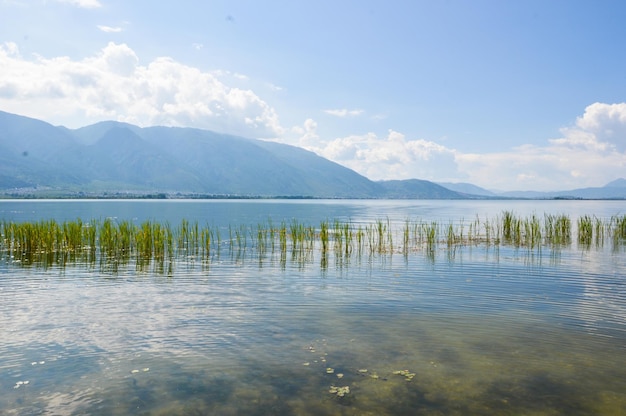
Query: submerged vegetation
{"x": 110, "y": 243}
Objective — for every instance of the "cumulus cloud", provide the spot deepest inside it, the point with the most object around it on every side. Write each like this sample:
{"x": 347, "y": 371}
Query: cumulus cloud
{"x": 343, "y": 112}
{"x": 590, "y": 153}
{"x": 602, "y": 127}
{"x": 114, "y": 85}
{"x": 86, "y": 4}
{"x": 390, "y": 157}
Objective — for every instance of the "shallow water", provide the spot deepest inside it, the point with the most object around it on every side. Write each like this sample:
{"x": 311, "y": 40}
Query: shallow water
{"x": 484, "y": 331}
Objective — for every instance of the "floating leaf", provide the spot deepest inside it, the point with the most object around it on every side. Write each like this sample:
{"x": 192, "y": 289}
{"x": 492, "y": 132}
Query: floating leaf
{"x": 339, "y": 391}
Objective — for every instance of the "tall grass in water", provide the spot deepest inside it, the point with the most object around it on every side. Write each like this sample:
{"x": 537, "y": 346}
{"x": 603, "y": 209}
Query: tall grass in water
{"x": 406, "y": 237}
{"x": 324, "y": 238}
{"x": 381, "y": 231}
{"x": 558, "y": 229}
{"x": 152, "y": 244}
{"x": 585, "y": 230}
{"x": 617, "y": 230}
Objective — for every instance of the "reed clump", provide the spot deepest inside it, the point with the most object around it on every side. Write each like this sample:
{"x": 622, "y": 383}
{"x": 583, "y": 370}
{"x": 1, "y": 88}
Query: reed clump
{"x": 152, "y": 244}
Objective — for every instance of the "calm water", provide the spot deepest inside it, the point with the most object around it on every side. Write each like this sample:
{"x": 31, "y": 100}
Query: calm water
{"x": 484, "y": 330}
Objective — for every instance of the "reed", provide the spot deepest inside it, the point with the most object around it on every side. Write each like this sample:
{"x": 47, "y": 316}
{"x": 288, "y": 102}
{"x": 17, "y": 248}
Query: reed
{"x": 616, "y": 229}
{"x": 532, "y": 228}
{"x": 360, "y": 234}
{"x": 429, "y": 235}
{"x": 115, "y": 243}
{"x": 241, "y": 237}
{"x": 557, "y": 229}
{"x": 406, "y": 234}
{"x": 509, "y": 226}
{"x": 381, "y": 229}
{"x": 282, "y": 238}
{"x": 206, "y": 236}
{"x": 144, "y": 242}
{"x": 585, "y": 230}
{"x": 337, "y": 233}
{"x": 453, "y": 235}
{"x": 324, "y": 236}
{"x": 261, "y": 238}
{"x": 298, "y": 235}
{"x": 108, "y": 238}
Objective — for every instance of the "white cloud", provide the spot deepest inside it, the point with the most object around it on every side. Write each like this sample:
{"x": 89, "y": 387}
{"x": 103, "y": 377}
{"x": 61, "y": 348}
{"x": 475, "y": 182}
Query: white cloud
{"x": 10, "y": 49}
{"x": 591, "y": 153}
{"x": 86, "y": 4}
{"x": 308, "y": 134}
{"x": 602, "y": 127}
{"x": 390, "y": 157}
{"x": 344, "y": 112}
{"x": 113, "y": 85}
{"x": 110, "y": 29}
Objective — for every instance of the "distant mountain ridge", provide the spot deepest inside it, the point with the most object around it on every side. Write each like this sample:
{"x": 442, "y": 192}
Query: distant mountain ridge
{"x": 37, "y": 158}
{"x": 119, "y": 157}
{"x": 613, "y": 190}
{"x": 467, "y": 188}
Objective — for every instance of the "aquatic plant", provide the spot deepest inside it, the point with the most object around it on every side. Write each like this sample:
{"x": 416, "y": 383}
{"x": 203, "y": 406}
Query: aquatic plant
{"x": 324, "y": 235}
{"x": 557, "y": 229}
{"x": 116, "y": 242}
{"x": 585, "y": 230}
{"x": 339, "y": 391}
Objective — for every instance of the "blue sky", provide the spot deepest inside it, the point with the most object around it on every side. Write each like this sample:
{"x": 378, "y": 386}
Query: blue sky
{"x": 509, "y": 95}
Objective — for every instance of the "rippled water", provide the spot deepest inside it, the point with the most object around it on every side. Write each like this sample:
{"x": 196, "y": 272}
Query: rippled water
{"x": 485, "y": 331}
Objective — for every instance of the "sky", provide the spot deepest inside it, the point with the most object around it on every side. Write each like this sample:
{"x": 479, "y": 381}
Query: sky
{"x": 507, "y": 95}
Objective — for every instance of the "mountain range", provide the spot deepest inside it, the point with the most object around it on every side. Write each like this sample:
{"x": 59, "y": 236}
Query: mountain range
{"x": 114, "y": 158}
{"x": 613, "y": 190}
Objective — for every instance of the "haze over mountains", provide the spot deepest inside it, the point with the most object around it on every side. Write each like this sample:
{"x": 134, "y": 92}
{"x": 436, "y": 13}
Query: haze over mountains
{"x": 37, "y": 158}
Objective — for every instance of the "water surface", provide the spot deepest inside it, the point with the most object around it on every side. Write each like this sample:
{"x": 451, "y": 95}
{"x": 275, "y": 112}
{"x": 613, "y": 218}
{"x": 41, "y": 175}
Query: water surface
{"x": 484, "y": 330}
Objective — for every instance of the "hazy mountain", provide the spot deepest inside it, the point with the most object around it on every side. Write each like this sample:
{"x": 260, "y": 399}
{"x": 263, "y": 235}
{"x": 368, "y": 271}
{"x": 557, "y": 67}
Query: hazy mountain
{"x": 613, "y": 190}
{"x": 617, "y": 183}
{"x": 418, "y": 189}
{"x": 31, "y": 152}
{"x": 119, "y": 157}
{"x": 466, "y": 188}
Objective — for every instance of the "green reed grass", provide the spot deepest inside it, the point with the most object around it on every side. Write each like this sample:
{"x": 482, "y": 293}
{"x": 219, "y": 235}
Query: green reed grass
{"x": 324, "y": 238}
{"x": 153, "y": 244}
{"x": 585, "y": 230}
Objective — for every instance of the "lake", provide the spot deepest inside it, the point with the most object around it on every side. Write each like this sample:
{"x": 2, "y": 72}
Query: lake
{"x": 480, "y": 328}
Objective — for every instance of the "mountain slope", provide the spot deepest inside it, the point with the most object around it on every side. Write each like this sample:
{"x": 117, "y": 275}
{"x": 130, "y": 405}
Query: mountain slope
{"x": 617, "y": 183}
{"x": 120, "y": 157}
{"x": 417, "y": 189}
{"x": 613, "y": 190}
{"x": 31, "y": 151}
{"x": 112, "y": 156}
{"x": 467, "y": 188}
{"x": 322, "y": 174}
